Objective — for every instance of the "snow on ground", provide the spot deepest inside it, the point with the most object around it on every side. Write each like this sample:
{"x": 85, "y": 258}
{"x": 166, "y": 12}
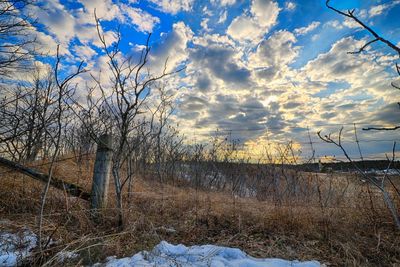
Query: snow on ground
{"x": 383, "y": 172}
{"x": 167, "y": 255}
{"x": 16, "y": 247}
{"x": 64, "y": 256}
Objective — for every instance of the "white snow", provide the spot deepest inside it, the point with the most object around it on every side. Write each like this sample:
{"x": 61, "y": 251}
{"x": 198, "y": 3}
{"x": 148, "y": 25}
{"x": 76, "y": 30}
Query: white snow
{"x": 167, "y": 255}
{"x": 15, "y": 247}
{"x": 63, "y": 256}
{"x": 383, "y": 172}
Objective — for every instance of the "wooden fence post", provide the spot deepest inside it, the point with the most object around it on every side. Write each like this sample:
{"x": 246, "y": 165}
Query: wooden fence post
{"x": 101, "y": 173}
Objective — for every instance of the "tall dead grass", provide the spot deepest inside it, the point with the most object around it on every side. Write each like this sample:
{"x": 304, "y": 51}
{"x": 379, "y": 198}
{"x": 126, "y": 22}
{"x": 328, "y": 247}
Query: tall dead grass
{"x": 336, "y": 227}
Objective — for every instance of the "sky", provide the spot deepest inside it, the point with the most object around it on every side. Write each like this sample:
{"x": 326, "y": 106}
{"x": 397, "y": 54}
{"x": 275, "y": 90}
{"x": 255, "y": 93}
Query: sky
{"x": 260, "y": 70}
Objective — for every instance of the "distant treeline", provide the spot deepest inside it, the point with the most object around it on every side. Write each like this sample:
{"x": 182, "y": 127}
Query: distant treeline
{"x": 348, "y": 166}
{"x": 367, "y": 165}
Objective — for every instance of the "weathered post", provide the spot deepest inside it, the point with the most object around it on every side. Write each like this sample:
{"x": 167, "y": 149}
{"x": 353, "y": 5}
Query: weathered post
{"x": 101, "y": 173}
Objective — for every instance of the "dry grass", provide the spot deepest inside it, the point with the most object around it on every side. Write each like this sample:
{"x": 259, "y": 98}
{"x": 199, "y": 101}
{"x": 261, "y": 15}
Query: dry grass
{"x": 355, "y": 234}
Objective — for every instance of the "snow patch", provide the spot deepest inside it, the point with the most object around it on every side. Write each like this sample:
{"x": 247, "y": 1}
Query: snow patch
{"x": 63, "y": 256}
{"x": 166, "y": 255}
{"x": 16, "y": 247}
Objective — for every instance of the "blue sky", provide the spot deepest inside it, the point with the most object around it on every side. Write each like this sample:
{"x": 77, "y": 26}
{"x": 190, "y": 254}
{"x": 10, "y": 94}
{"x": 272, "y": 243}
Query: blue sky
{"x": 250, "y": 64}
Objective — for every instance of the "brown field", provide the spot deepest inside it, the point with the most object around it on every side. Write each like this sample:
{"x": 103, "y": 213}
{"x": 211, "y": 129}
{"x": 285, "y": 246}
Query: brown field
{"x": 344, "y": 224}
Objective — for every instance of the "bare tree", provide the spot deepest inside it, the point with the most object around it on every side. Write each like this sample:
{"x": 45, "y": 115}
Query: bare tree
{"x": 124, "y": 99}
{"x": 16, "y": 41}
{"x": 376, "y": 38}
{"x": 27, "y": 111}
{"x": 377, "y": 183}
{"x": 64, "y": 90}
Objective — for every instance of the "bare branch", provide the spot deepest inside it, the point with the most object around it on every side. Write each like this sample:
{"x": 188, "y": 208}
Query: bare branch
{"x": 363, "y": 47}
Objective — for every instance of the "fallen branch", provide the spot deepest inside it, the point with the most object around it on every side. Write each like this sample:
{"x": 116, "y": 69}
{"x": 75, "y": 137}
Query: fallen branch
{"x": 69, "y": 188}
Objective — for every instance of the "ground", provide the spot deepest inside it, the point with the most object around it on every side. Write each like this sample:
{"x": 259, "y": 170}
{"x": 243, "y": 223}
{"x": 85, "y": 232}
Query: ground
{"x": 350, "y": 231}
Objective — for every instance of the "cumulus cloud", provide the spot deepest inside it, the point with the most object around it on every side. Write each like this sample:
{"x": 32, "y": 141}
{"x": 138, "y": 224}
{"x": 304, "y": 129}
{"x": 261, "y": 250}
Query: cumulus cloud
{"x": 350, "y": 23}
{"x": 275, "y": 53}
{"x": 204, "y": 24}
{"x": 338, "y": 65}
{"x": 142, "y": 20}
{"x": 108, "y": 10}
{"x": 388, "y": 115}
{"x": 376, "y": 10}
{"x": 304, "y": 30}
{"x": 340, "y": 25}
{"x": 247, "y": 116}
{"x": 242, "y": 77}
{"x": 265, "y": 11}
{"x": 252, "y": 27}
{"x": 47, "y": 44}
{"x": 245, "y": 28}
{"x": 214, "y": 38}
{"x": 338, "y": 87}
{"x": 172, "y": 49}
{"x": 173, "y": 6}
{"x": 84, "y": 52}
{"x": 290, "y": 6}
{"x": 223, "y": 16}
{"x": 223, "y": 2}
{"x": 105, "y": 9}
{"x": 379, "y": 9}
{"x": 63, "y": 25}
{"x": 57, "y": 18}
{"x": 334, "y": 24}
{"x": 220, "y": 62}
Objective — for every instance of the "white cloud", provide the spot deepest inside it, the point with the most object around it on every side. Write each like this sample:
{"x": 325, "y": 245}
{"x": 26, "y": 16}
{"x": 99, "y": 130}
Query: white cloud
{"x": 46, "y": 43}
{"x": 173, "y": 48}
{"x": 279, "y": 95}
{"x": 222, "y": 67}
{"x": 335, "y": 24}
{"x": 63, "y": 25}
{"x": 315, "y": 37}
{"x": 376, "y": 10}
{"x": 207, "y": 12}
{"x": 84, "y": 52}
{"x": 208, "y": 39}
{"x": 204, "y": 24}
{"x": 338, "y": 66}
{"x": 223, "y": 16}
{"x": 350, "y": 23}
{"x": 277, "y": 50}
{"x": 266, "y": 12}
{"x": 245, "y": 28}
{"x": 347, "y": 22}
{"x": 108, "y": 10}
{"x": 379, "y": 9}
{"x": 304, "y": 30}
{"x": 272, "y": 57}
{"x": 173, "y": 6}
{"x": 223, "y": 2}
{"x": 264, "y": 15}
{"x": 290, "y": 6}
{"x": 142, "y": 20}
{"x": 87, "y": 34}
{"x": 60, "y": 23}
{"x": 105, "y": 9}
